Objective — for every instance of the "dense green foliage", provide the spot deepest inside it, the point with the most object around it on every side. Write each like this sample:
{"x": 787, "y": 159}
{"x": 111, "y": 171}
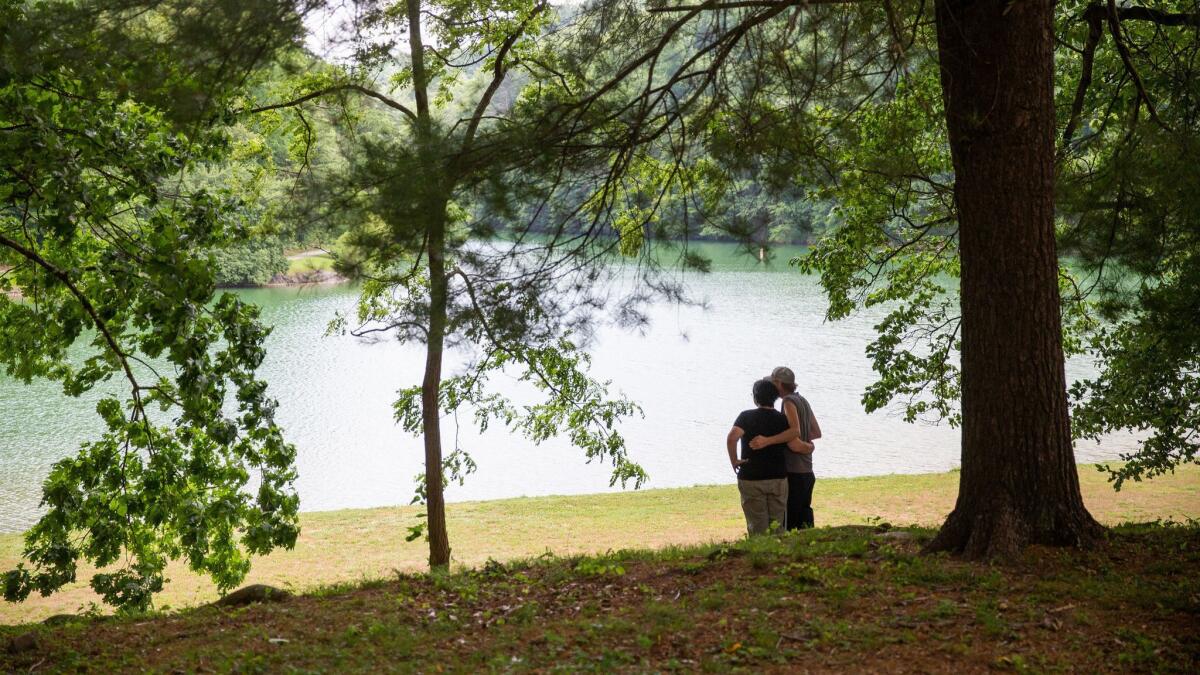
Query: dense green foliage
{"x": 1130, "y": 196}
{"x": 104, "y": 110}
{"x": 277, "y": 165}
{"x": 253, "y": 263}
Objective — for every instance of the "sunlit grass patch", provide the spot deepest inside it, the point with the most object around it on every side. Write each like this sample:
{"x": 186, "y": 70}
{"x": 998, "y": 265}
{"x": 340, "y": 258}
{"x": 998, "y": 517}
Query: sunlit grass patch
{"x": 349, "y": 546}
{"x": 309, "y": 264}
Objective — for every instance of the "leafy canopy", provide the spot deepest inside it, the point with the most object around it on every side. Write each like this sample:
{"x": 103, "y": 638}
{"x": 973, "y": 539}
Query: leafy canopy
{"x": 104, "y": 110}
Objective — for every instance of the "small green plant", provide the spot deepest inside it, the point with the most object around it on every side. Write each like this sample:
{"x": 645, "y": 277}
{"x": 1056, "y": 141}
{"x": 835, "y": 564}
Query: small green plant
{"x": 803, "y": 573}
{"x": 987, "y": 614}
{"x": 715, "y": 598}
{"x": 493, "y": 568}
{"x": 1136, "y": 648}
{"x": 722, "y": 552}
{"x": 466, "y": 587}
{"x": 599, "y": 567}
{"x": 1015, "y": 662}
{"x": 945, "y": 609}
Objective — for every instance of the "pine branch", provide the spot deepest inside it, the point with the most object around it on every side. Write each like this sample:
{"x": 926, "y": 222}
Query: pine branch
{"x": 390, "y": 102}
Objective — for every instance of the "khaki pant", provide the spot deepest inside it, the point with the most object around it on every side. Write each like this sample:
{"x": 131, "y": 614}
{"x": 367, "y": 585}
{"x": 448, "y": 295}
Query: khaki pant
{"x": 765, "y": 504}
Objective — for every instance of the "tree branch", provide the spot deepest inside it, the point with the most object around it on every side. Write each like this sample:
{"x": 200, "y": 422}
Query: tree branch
{"x": 498, "y": 74}
{"x": 1095, "y": 32}
{"x": 1114, "y": 28}
{"x": 390, "y": 102}
{"x": 1097, "y": 11}
{"x": 1096, "y": 15}
{"x": 498, "y": 345}
{"x": 109, "y": 338}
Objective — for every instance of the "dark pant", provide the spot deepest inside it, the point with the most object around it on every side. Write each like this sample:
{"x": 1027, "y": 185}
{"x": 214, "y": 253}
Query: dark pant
{"x": 799, "y": 505}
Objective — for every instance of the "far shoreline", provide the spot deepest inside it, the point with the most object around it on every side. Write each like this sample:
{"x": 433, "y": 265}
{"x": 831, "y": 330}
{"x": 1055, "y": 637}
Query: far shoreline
{"x": 321, "y": 278}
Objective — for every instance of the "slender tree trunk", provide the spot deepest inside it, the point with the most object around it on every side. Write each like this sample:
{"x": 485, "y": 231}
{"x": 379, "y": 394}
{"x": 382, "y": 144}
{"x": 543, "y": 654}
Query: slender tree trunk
{"x": 1019, "y": 483}
{"x": 435, "y": 251}
{"x": 439, "y": 538}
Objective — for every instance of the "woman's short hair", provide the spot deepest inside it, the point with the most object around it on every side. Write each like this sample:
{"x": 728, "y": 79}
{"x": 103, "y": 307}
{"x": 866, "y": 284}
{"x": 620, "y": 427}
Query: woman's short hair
{"x": 765, "y": 393}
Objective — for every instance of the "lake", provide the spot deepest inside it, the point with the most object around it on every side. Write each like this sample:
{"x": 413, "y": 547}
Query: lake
{"x": 691, "y": 372}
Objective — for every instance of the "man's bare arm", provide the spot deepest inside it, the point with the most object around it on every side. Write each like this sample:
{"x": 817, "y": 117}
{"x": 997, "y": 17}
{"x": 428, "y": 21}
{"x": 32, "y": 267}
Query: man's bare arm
{"x": 760, "y": 442}
{"x": 801, "y": 447}
{"x": 797, "y": 445}
{"x": 792, "y": 433}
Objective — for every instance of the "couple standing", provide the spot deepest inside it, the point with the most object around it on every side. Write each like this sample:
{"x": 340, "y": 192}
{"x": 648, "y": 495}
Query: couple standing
{"x": 775, "y": 471}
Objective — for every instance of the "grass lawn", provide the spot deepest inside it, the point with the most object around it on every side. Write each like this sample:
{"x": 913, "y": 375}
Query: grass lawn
{"x": 308, "y": 264}
{"x": 844, "y": 598}
{"x": 353, "y": 545}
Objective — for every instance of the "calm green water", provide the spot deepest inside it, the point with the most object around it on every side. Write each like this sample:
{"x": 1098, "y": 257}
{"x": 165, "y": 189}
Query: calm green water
{"x": 691, "y": 371}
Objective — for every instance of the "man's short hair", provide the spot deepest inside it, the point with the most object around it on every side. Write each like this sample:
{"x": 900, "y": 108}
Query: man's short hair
{"x": 765, "y": 392}
{"x": 789, "y": 387}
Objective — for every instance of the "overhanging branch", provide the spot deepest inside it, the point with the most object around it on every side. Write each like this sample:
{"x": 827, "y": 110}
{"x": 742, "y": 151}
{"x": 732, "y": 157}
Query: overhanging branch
{"x": 386, "y": 100}
{"x": 1114, "y": 26}
{"x": 101, "y": 326}
{"x": 1097, "y": 12}
{"x": 1095, "y": 32}
{"x": 1096, "y": 15}
{"x": 498, "y": 74}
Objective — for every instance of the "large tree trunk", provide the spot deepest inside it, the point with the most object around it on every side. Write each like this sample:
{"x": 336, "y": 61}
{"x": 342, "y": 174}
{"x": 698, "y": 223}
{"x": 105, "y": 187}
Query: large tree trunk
{"x": 1019, "y": 483}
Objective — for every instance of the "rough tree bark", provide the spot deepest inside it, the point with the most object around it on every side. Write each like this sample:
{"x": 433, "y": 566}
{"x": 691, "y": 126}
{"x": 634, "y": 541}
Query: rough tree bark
{"x": 1019, "y": 483}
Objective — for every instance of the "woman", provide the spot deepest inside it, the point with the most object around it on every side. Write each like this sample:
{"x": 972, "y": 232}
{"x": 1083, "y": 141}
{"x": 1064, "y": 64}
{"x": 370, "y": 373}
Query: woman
{"x": 762, "y": 473}
{"x": 802, "y": 431}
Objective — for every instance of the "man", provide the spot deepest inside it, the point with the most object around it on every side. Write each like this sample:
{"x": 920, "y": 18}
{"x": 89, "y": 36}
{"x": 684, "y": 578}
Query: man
{"x": 802, "y": 431}
{"x": 762, "y": 473}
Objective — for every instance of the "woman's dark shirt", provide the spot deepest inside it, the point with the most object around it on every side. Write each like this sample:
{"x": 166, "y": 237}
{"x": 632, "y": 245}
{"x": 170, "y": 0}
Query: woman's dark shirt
{"x": 769, "y": 462}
